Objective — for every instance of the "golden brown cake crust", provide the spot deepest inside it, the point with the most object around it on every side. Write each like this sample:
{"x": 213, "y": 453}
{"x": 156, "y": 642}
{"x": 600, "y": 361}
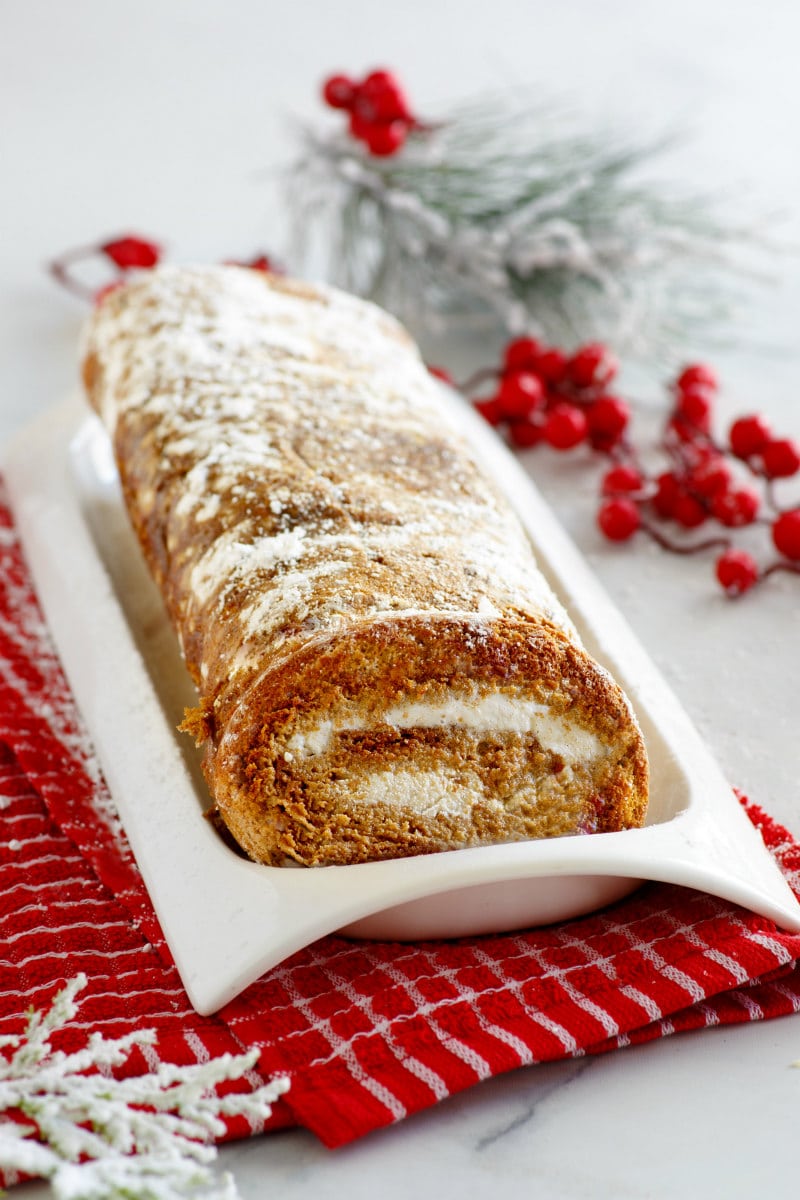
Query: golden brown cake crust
{"x": 382, "y": 670}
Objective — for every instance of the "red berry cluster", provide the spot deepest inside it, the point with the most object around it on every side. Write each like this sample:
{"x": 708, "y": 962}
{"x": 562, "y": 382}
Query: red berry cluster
{"x": 125, "y": 254}
{"x": 702, "y": 485}
{"x": 545, "y": 395}
{"x": 379, "y": 111}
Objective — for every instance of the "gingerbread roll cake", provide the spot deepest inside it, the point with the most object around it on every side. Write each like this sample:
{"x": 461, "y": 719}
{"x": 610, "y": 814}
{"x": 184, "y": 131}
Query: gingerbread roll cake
{"x": 382, "y": 670}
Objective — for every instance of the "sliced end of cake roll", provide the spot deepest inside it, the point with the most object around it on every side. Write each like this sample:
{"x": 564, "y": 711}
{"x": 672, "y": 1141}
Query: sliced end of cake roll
{"x": 428, "y": 733}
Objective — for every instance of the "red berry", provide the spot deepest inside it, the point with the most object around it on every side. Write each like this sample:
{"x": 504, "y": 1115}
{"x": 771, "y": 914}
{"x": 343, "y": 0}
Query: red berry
{"x": 697, "y": 375}
{"x": 619, "y": 519}
{"x": 441, "y": 373}
{"x": 602, "y": 443}
{"x": 683, "y": 430}
{"x": 524, "y": 433}
{"x": 749, "y": 436}
{"x": 688, "y": 511}
{"x": 385, "y": 140}
{"x": 360, "y": 126}
{"x": 736, "y": 508}
{"x": 380, "y": 98}
{"x": 520, "y": 394}
{"x": 736, "y": 571}
{"x": 786, "y": 533}
{"x": 780, "y": 459}
{"x": 551, "y": 366}
{"x": 490, "y": 410}
{"x": 694, "y": 406}
{"x": 565, "y": 427}
{"x": 259, "y": 262}
{"x": 521, "y": 354}
{"x": 339, "y": 91}
{"x": 700, "y": 454}
{"x": 608, "y": 417}
{"x": 709, "y": 478}
{"x": 668, "y": 489}
{"x": 128, "y": 252}
{"x": 622, "y": 479}
{"x": 592, "y": 365}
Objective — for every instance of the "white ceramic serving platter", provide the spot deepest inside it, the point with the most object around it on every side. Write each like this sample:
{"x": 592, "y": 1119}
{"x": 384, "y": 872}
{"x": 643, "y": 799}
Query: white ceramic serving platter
{"x": 228, "y": 920}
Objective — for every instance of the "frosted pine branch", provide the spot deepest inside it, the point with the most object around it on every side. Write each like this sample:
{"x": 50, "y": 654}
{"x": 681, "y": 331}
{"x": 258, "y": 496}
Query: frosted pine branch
{"x": 98, "y": 1138}
{"x": 504, "y": 213}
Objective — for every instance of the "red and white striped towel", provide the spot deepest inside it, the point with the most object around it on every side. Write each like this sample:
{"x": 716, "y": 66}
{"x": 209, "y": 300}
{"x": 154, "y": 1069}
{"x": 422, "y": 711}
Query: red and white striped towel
{"x": 368, "y": 1032}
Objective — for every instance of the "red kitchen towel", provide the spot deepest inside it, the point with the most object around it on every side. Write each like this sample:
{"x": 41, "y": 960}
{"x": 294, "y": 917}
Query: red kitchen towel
{"x": 368, "y": 1032}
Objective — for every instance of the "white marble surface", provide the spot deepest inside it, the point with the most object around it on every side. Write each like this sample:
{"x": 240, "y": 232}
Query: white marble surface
{"x": 167, "y": 118}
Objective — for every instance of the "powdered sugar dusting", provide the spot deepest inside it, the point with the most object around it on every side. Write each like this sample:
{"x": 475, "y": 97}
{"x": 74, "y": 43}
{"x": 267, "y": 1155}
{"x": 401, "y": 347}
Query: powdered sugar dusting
{"x": 289, "y": 448}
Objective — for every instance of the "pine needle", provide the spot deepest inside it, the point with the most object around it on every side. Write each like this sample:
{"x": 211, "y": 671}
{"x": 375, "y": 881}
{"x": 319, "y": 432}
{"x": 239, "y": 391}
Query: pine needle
{"x": 505, "y": 214}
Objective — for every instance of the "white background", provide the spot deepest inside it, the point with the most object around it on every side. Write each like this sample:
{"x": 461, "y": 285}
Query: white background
{"x": 172, "y": 119}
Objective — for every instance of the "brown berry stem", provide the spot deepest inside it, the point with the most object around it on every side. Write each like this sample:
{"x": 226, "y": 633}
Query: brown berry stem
{"x": 793, "y": 568}
{"x": 682, "y": 547}
{"x": 625, "y": 452}
{"x": 417, "y": 126}
{"x": 769, "y": 492}
{"x": 484, "y": 375}
{"x": 59, "y": 269}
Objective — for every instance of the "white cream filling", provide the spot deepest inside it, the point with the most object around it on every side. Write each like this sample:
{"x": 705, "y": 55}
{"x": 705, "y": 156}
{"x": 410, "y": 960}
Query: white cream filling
{"x": 493, "y": 713}
{"x": 430, "y": 793}
{"x": 313, "y": 741}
